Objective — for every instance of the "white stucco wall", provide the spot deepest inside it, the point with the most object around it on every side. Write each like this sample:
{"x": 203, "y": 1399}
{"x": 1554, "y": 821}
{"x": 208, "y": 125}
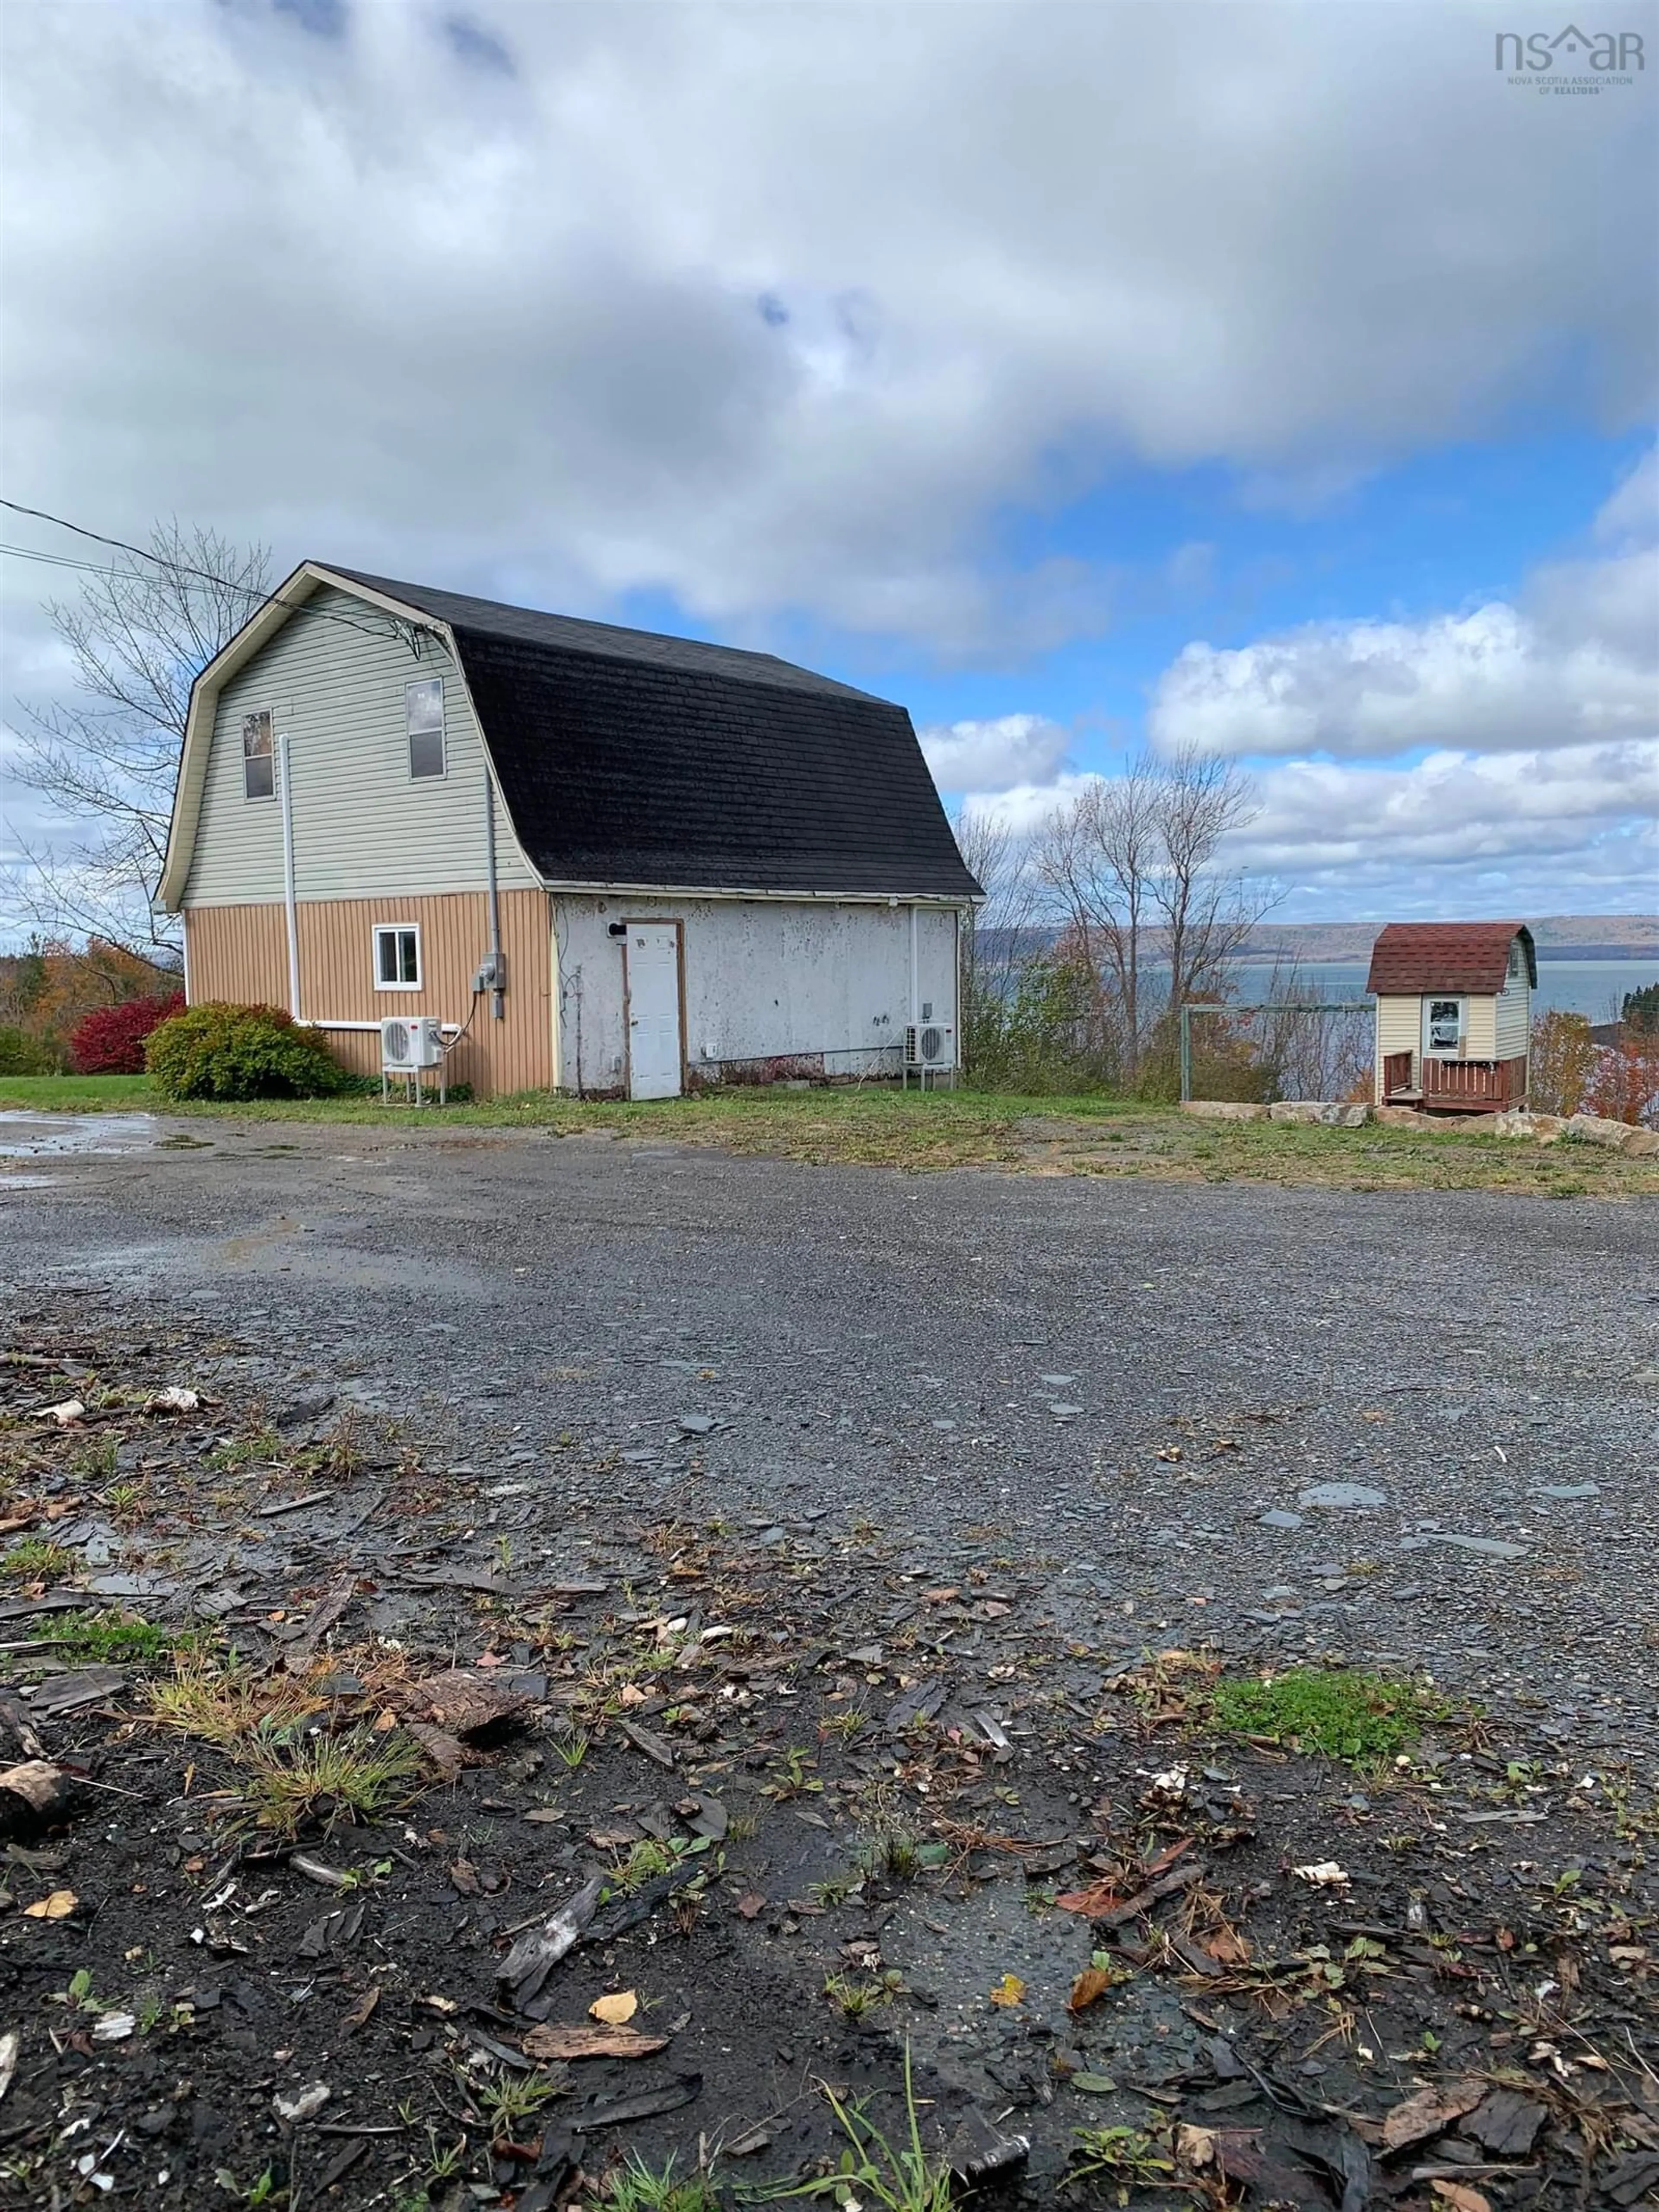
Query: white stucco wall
{"x": 764, "y": 979}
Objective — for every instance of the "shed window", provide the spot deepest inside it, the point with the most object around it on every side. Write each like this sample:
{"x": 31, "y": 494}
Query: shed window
{"x": 1517, "y": 961}
{"x": 1445, "y": 1026}
{"x": 259, "y": 756}
{"x": 397, "y": 956}
{"x": 423, "y": 707}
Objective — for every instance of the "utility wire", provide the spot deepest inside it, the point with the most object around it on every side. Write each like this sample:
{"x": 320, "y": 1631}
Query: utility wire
{"x": 179, "y": 568}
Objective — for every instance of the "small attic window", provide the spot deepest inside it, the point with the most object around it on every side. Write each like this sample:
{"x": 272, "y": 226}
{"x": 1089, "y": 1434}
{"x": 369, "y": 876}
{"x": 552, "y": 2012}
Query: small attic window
{"x": 259, "y": 756}
{"x": 423, "y": 707}
{"x": 1517, "y": 961}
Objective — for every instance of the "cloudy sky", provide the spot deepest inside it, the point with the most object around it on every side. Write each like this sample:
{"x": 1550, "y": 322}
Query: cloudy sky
{"x": 1278, "y": 377}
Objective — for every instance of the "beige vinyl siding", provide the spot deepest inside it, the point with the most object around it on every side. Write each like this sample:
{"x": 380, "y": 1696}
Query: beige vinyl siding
{"x": 240, "y": 952}
{"x": 1479, "y": 1025}
{"x": 1514, "y": 1020}
{"x": 1399, "y": 1029}
{"x": 361, "y": 823}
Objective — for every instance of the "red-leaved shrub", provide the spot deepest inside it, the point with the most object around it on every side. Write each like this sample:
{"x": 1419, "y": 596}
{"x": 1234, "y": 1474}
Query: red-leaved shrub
{"x": 111, "y": 1040}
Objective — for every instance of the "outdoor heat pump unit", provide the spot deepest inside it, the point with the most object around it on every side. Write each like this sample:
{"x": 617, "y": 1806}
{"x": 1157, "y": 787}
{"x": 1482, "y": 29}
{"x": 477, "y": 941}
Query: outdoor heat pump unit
{"x": 409, "y": 1043}
{"x": 927, "y": 1045}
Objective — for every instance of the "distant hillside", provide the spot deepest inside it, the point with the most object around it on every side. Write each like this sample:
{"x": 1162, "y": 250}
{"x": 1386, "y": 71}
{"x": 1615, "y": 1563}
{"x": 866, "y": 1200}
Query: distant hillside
{"x": 1558, "y": 936}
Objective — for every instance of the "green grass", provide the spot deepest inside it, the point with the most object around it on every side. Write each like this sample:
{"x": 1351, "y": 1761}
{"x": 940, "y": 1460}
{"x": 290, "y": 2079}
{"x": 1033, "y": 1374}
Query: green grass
{"x": 76, "y": 1094}
{"x": 918, "y": 1131}
{"x": 113, "y": 1637}
{"x": 1337, "y": 1710}
{"x": 35, "y": 1559}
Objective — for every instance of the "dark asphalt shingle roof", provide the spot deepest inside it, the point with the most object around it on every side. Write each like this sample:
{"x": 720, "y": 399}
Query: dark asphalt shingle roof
{"x": 1447, "y": 955}
{"x": 627, "y": 758}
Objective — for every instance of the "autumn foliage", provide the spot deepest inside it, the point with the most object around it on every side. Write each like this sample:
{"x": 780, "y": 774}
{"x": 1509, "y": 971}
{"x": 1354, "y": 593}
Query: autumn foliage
{"x": 111, "y": 1040}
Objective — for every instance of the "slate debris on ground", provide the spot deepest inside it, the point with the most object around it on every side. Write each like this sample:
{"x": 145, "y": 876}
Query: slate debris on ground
{"x": 808, "y": 1796}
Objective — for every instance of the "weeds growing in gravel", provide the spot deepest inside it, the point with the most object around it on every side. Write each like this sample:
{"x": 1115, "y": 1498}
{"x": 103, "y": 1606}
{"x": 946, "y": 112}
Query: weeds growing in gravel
{"x": 225, "y": 1702}
{"x": 291, "y": 1772}
{"x": 355, "y": 1775}
{"x": 35, "y": 1559}
{"x": 1339, "y": 1711}
{"x": 902, "y": 2178}
{"x": 637, "y": 2187}
{"x": 508, "y": 2103}
{"x": 1126, "y": 2157}
{"x": 113, "y": 1637}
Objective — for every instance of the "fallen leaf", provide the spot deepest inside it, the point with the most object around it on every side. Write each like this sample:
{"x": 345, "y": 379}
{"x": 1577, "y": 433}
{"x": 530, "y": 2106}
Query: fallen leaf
{"x": 1429, "y": 2113}
{"x": 614, "y": 2010}
{"x": 1094, "y": 1902}
{"x": 752, "y": 1904}
{"x": 556, "y": 2040}
{"x": 1324, "y": 1873}
{"x": 1195, "y": 2145}
{"x": 1228, "y": 1947}
{"x": 1094, "y": 2085}
{"x": 1090, "y": 1984}
{"x": 58, "y": 1907}
{"x": 358, "y": 2016}
{"x": 1460, "y": 2196}
{"x": 1009, "y": 1991}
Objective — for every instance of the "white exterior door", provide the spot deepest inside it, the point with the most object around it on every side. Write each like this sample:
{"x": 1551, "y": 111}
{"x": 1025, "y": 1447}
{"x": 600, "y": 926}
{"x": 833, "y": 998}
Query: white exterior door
{"x": 654, "y": 1010}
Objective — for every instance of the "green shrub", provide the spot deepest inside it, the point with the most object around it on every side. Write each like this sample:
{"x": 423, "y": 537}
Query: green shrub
{"x": 222, "y": 1051}
{"x": 20, "y": 1055}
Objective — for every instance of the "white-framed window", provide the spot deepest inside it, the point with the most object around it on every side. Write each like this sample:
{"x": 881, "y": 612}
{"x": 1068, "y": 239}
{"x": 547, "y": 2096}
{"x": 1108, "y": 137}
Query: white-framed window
{"x": 423, "y": 713}
{"x": 1517, "y": 961}
{"x": 1443, "y": 1028}
{"x": 259, "y": 756}
{"x": 397, "y": 956}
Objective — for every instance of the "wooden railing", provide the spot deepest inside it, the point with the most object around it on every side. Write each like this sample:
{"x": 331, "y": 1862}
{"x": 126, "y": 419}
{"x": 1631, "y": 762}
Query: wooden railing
{"x": 1396, "y": 1073}
{"x": 1475, "y": 1085}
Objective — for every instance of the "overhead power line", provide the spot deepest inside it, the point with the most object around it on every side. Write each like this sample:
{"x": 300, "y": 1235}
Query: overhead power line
{"x": 178, "y": 568}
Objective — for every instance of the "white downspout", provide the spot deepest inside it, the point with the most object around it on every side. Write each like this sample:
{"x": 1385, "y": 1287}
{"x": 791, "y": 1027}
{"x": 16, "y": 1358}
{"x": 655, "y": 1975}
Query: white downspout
{"x": 916, "y": 972}
{"x": 288, "y": 885}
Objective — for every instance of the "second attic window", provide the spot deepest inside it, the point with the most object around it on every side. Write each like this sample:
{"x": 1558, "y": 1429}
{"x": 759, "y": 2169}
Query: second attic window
{"x": 424, "y": 706}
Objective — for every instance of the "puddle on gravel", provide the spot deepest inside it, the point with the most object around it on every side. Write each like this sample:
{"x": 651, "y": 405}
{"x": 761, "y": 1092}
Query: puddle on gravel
{"x": 280, "y": 1251}
{"x": 104, "y": 1135}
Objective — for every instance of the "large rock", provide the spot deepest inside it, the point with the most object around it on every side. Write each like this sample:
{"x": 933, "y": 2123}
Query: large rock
{"x": 1224, "y": 1110}
{"x": 1641, "y": 1143}
{"x": 1404, "y": 1117}
{"x": 1516, "y": 1121}
{"x": 1322, "y": 1110}
{"x": 1592, "y": 1129}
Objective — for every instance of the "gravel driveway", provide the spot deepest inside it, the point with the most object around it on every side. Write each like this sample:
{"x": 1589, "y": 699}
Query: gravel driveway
{"x": 1419, "y": 1429}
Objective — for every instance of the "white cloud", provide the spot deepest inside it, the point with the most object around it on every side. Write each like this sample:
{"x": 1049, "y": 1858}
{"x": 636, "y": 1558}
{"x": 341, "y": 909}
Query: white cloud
{"x": 1569, "y": 829}
{"x": 995, "y": 756}
{"x": 1577, "y": 659}
{"x": 1454, "y": 812}
{"x": 684, "y": 300}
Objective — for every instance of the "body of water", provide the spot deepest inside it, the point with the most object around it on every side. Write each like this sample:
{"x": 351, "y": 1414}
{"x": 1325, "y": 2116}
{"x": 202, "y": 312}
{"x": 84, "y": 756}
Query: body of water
{"x": 1595, "y": 987}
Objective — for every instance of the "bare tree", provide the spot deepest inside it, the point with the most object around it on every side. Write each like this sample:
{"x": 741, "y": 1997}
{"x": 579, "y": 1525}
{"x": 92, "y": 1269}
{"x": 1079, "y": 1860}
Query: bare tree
{"x": 106, "y": 763}
{"x": 1131, "y": 865}
{"x": 998, "y": 930}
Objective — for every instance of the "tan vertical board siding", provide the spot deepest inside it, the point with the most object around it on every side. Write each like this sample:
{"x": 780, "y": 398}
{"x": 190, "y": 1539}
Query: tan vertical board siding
{"x": 238, "y": 953}
{"x": 1481, "y": 1025}
{"x": 338, "y": 696}
{"x": 1399, "y": 1029}
{"x": 241, "y": 953}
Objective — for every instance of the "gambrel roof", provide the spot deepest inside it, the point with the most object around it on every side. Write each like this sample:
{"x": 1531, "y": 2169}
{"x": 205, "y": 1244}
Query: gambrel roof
{"x": 628, "y": 758}
{"x": 1413, "y": 956}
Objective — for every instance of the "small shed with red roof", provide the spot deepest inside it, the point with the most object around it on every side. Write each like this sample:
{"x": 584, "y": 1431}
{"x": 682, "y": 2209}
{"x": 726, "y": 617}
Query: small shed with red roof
{"x": 1454, "y": 1014}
